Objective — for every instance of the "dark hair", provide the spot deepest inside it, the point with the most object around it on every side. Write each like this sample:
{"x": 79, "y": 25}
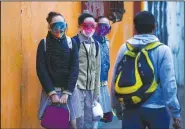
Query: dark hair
{"x": 144, "y": 22}
{"x": 51, "y": 15}
{"x": 100, "y": 17}
{"x": 83, "y": 16}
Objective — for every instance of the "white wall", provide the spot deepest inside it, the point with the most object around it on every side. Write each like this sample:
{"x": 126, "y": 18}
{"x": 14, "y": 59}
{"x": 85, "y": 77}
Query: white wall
{"x": 170, "y": 23}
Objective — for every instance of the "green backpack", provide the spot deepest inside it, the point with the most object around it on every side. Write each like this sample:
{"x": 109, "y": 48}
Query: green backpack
{"x": 135, "y": 76}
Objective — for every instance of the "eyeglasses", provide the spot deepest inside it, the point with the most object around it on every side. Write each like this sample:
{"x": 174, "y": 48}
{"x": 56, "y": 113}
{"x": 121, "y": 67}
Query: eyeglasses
{"x": 88, "y": 25}
{"x": 58, "y": 26}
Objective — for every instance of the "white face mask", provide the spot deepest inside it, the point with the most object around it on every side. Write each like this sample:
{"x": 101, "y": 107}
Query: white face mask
{"x": 88, "y": 34}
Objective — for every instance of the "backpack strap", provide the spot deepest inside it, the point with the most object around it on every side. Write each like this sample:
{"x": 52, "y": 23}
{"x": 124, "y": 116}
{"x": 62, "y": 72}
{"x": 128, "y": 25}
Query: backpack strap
{"x": 78, "y": 44}
{"x": 77, "y": 41}
{"x": 45, "y": 44}
{"x": 148, "y": 47}
{"x": 152, "y": 45}
{"x": 130, "y": 51}
{"x": 69, "y": 42}
{"x": 97, "y": 47}
{"x": 129, "y": 46}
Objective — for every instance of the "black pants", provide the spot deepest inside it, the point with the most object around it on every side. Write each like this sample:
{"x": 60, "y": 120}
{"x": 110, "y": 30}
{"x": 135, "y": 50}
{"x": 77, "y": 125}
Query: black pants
{"x": 146, "y": 117}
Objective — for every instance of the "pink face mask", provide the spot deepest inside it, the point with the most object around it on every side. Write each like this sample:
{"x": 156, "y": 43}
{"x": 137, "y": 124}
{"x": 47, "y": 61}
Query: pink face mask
{"x": 88, "y": 28}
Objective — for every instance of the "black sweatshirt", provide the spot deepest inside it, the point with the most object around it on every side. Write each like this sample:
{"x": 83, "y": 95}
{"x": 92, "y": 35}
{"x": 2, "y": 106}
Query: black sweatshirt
{"x": 69, "y": 65}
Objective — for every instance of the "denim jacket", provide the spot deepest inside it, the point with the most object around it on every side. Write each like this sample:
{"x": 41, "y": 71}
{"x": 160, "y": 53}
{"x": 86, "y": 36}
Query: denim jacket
{"x": 105, "y": 60}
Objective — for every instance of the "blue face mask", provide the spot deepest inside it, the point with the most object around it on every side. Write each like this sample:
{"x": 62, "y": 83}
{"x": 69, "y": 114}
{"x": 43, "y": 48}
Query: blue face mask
{"x": 58, "y": 29}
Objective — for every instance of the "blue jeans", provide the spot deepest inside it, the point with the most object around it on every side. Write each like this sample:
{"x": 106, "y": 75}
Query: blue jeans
{"x": 146, "y": 117}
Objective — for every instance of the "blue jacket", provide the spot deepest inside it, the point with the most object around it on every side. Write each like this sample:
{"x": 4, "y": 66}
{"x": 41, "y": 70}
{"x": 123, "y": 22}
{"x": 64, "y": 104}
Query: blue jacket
{"x": 166, "y": 92}
{"x": 105, "y": 60}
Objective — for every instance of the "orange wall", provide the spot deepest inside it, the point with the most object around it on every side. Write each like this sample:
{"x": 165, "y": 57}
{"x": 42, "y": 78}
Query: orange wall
{"x": 11, "y": 65}
{"x": 121, "y": 31}
{"x": 21, "y": 33}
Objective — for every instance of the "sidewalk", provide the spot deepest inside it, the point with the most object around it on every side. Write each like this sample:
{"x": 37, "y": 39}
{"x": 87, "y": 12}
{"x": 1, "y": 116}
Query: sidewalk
{"x": 115, "y": 124}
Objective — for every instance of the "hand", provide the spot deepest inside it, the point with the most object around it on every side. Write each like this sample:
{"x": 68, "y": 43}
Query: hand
{"x": 55, "y": 98}
{"x": 177, "y": 122}
{"x": 64, "y": 98}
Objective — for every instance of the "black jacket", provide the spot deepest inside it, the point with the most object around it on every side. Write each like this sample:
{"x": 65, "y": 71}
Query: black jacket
{"x": 59, "y": 65}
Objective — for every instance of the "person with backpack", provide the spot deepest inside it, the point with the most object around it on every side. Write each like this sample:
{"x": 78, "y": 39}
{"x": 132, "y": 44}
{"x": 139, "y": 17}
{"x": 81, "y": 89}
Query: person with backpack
{"x": 88, "y": 83}
{"x": 143, "y": 83}
{"x": 102, "y": 29}
{"x": 57, "y": 67}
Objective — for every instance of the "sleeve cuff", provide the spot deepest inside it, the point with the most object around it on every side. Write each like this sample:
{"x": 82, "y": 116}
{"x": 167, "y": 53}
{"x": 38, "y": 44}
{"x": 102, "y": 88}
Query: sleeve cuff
{"x": 52, "y": 92}
{"x": 67, "y": 92}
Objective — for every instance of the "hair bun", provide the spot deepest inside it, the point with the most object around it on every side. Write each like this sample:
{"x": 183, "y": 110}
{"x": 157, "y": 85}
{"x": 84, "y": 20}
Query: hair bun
{"x": 51, "y": 15}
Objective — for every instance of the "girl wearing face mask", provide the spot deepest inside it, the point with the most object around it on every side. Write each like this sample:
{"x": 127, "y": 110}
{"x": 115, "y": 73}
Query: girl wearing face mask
{"x": 89, "y": 69}
{"x": 57, "y": 67}
{"x": 102, "y": 29}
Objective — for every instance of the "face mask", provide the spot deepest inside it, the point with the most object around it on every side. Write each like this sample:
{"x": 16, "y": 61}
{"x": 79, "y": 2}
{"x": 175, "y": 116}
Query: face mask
{"x": 58, "y": 29}
{"x": 88, "y": 29}
{"x": 88, "y": 33}
{"x": 103, "y": 29}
